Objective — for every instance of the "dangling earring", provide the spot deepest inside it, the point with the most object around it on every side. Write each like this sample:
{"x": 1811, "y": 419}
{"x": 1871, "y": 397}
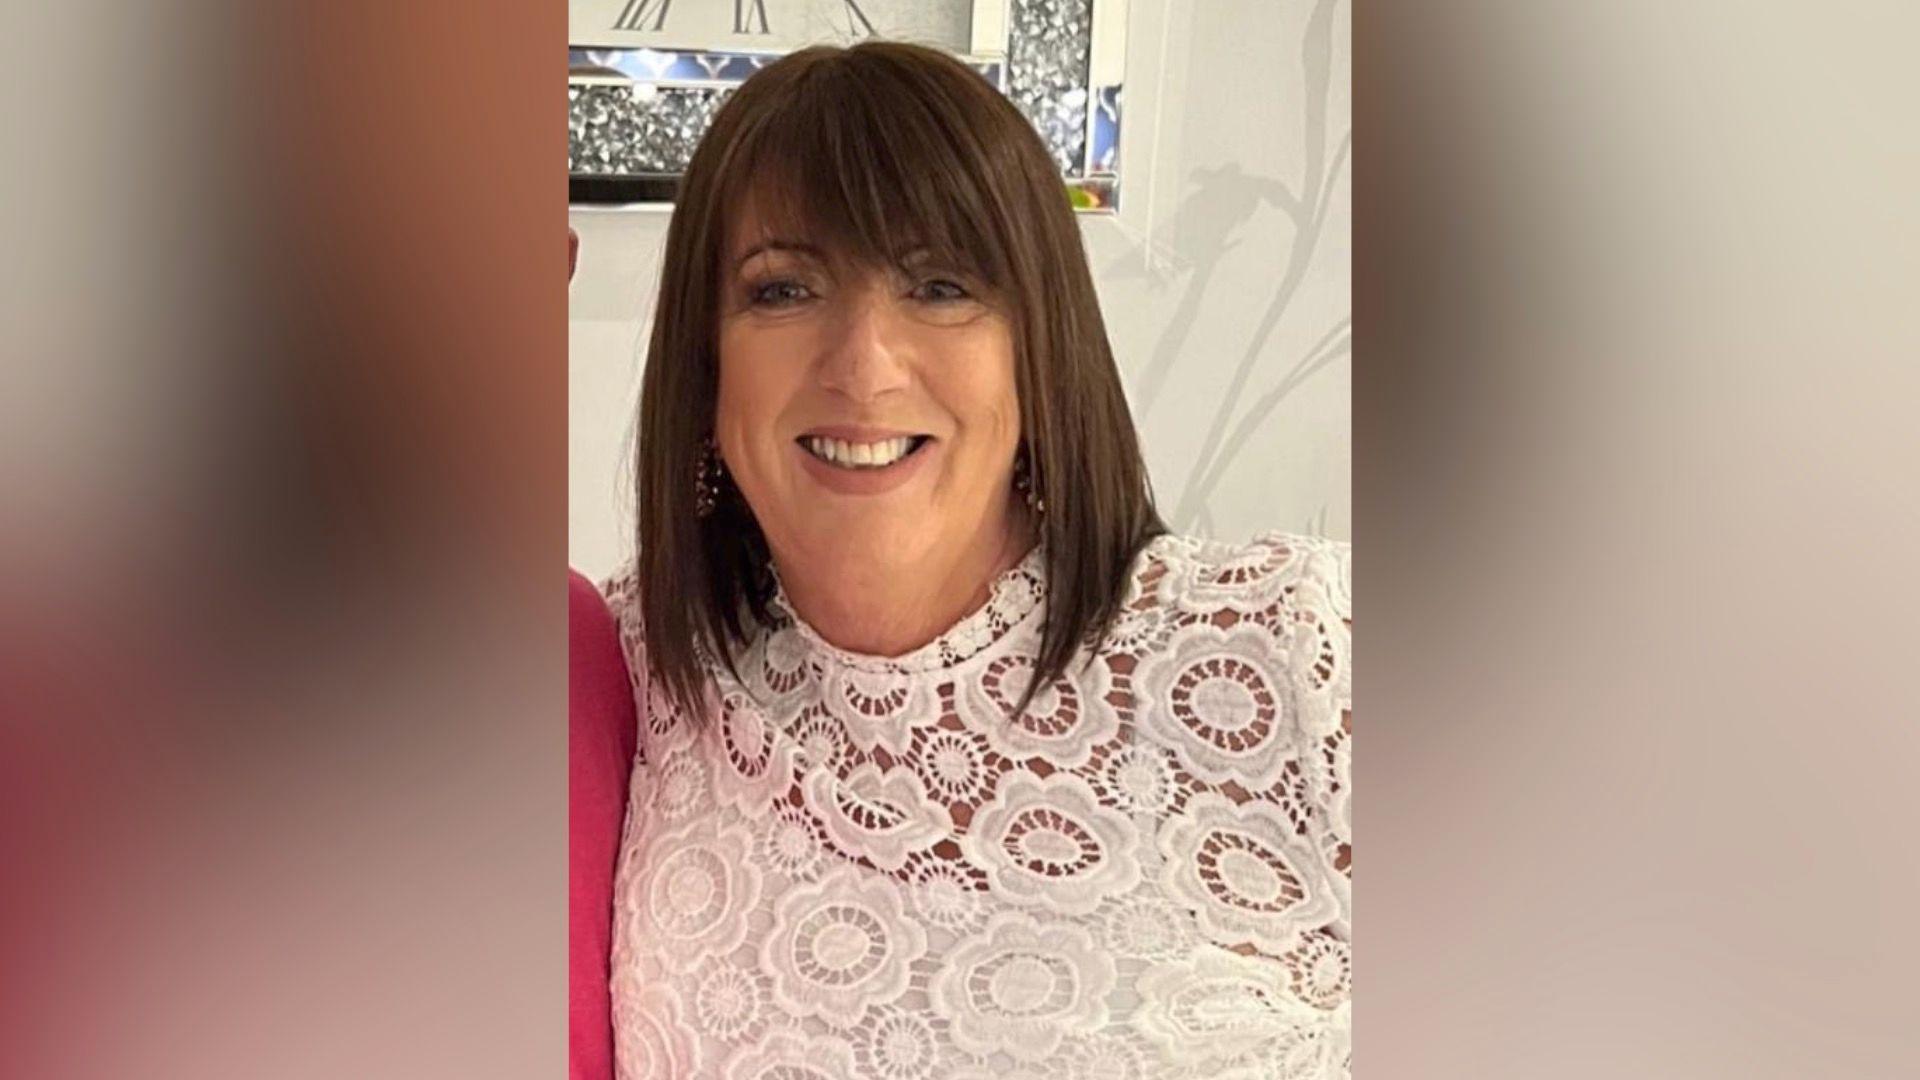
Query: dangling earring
{"x": 706, "y": 481}
{"x": 1023, "y": 482}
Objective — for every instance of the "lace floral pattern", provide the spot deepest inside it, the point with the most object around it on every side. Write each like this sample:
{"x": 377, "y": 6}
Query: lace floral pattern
{"x": 875, "y": 868}
{"x": 1022, "y": 986}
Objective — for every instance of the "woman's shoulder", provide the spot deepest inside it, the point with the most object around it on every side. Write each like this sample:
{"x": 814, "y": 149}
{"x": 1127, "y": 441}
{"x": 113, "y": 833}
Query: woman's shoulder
{"x": 1277, "y": 608}
{"x": 622, "y": 592}
{"x": 622, "y": 588}
{"x": 1204, "y": 575}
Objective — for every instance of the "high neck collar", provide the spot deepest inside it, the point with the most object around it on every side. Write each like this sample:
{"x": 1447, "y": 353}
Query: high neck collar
{"x": 1015, "y": 596}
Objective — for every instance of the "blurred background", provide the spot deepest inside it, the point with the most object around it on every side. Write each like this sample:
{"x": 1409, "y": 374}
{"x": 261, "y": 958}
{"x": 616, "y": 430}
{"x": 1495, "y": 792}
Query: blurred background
{"x": 282, "y": 461}
{"x": 1223, "y": 276}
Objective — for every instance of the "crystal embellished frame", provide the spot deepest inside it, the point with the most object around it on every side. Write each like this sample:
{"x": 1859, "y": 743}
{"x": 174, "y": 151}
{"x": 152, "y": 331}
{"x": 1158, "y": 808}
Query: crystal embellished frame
{"x": 634, "y": 115}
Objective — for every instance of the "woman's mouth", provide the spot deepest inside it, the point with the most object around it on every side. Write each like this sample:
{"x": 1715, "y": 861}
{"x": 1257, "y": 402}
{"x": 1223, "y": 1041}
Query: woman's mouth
{"x": 847, "y": 454}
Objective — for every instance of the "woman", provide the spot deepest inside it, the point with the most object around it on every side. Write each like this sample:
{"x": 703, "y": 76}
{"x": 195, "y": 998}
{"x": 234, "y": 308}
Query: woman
{"x": 951, "y": 762}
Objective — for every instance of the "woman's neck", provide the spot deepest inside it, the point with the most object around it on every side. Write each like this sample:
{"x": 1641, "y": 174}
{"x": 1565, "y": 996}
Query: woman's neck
{"x": 884, "y": 609}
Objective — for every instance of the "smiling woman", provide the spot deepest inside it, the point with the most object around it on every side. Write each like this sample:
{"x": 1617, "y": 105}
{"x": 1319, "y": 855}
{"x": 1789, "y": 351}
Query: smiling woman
{"x": 870, "y": 412}
{"x": 952, "y": 762}
{"x": 858, "y": 253}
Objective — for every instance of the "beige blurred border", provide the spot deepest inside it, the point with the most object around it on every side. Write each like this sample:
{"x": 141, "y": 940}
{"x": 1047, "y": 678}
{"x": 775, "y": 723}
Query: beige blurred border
{"x": 282, "y": 634}
{"x": 1635, "y": 484}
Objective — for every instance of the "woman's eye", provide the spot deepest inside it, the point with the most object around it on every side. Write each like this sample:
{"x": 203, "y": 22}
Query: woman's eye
{"x": 940, "y": 289}
{"x": 781, "y": 293}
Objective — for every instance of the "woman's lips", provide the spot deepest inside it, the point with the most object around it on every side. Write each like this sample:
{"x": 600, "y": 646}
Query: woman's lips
{"x": 864, "y": 479}
{"x": 878, "y": 453}
{"x": 858, "y": 432}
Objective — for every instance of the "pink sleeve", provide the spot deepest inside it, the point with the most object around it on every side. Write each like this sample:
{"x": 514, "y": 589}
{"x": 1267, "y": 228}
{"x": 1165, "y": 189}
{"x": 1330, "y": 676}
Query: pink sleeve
{"x": 602, "y": 728}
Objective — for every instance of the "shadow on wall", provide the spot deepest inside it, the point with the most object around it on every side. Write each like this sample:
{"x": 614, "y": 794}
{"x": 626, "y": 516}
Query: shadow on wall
{"x": 1205, "y": 228}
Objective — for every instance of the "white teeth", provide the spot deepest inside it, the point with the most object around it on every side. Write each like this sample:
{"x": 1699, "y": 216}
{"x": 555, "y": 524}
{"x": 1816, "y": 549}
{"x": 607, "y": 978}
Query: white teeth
{"x": 847, "y": 455}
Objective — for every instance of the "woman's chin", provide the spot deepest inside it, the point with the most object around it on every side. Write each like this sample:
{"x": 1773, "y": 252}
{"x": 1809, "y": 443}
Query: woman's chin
{"x": 852, "y": 549}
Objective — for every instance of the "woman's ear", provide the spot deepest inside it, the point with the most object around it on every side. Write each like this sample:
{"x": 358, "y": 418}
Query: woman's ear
{"x": 573, "y": 252}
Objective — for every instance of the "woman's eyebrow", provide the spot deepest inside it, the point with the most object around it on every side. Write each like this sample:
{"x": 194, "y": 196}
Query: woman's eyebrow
{"x": 776, "y": 245}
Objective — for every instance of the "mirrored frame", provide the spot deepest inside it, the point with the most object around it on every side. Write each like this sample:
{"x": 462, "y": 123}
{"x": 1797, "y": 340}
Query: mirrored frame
{"x": 636, "y": 111}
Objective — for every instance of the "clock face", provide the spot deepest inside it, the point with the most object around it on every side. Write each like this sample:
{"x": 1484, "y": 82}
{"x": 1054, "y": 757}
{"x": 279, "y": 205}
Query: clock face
{"x": 776, "y": 26}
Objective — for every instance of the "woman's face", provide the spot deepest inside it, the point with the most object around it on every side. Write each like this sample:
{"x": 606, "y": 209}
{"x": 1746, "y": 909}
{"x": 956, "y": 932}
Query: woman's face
{"x": 870, "y": 417}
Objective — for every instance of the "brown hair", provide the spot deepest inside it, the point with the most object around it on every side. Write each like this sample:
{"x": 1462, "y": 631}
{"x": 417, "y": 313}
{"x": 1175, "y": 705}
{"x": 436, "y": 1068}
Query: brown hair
{"x": 874, "y": 150}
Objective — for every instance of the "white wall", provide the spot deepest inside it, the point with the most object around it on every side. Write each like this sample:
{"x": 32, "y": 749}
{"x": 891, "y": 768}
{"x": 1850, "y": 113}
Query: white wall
{"x": 1224, "y": 281}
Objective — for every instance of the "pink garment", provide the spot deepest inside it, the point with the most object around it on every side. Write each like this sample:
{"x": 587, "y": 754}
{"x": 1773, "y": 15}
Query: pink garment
{"x": 601, "y": 729}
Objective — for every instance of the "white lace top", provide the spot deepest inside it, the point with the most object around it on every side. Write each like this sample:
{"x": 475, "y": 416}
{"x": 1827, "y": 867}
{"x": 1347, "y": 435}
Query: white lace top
{"x": 864, "y": 869}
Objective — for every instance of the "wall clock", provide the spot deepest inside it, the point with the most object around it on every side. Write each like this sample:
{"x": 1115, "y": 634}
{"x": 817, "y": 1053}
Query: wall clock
{"x": 645, "y": 76}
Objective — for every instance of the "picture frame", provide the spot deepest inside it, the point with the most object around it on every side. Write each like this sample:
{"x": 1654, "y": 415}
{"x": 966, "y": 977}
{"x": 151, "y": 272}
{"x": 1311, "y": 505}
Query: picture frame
{"x": 646, "y": 76}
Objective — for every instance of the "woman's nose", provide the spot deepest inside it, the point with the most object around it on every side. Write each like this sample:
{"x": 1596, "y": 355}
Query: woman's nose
{"x": 866, "y": 352}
